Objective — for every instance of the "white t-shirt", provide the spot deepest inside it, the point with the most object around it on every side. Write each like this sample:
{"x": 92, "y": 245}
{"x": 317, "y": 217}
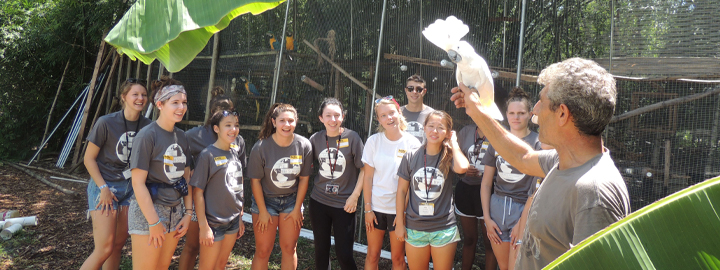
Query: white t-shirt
{"x": 385, "y": 155}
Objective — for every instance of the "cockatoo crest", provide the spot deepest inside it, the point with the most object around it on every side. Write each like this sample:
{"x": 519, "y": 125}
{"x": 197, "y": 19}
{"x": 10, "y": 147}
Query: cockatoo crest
{"x": 446, "y": 33}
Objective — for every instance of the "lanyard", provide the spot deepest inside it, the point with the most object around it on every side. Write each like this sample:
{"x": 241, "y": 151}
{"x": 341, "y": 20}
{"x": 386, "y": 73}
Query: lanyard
{"x": 127, "y": 136}
{"x": 330, "y": 160}
{"x": 478, "y": 147}
{"x": 428, "y": 186}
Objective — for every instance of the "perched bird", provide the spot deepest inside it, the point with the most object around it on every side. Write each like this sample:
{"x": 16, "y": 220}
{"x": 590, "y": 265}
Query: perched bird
{"x": 472, "y": 70}
{"x": 252, "y": 90}
{"x": 274, "y": 44}
{"x": 289, "y": 41}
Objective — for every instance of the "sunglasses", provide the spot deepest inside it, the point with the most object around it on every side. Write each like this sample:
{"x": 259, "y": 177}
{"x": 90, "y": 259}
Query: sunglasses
{"x": 417, "y": 89}
{"x": 390, "y": 97}
{"x": 226, "y": 113}
{"x": 138, "y": 81}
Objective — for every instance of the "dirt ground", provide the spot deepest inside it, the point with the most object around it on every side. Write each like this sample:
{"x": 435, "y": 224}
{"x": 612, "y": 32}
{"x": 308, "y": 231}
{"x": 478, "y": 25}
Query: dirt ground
{"x": 63, "y": 237}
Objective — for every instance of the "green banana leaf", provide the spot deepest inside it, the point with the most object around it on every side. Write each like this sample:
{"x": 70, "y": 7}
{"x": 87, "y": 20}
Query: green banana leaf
{"x": 681, "y": 231}
{"x": 175, "y": 31}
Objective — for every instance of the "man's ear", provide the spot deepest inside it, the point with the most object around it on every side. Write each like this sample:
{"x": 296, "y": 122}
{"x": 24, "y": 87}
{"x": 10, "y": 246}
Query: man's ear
{"x": 563, "y": 115}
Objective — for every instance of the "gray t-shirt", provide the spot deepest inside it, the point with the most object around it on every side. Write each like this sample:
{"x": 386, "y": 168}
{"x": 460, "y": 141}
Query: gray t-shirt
{"x": 509, "y": 181}
{"x": 419, "y": 169}
{"x": 163, "y": 155}
{"x": 346, "y": 165}
{"x": 278, "y": 168}
{"x": 115, "y": 142}
{"x": 203, "y": 136}
{"x": 474, "y": 147}
{"x": 416, "y": 121}
{"x": 219, "y": 174}
{"x": 569, "y": 206}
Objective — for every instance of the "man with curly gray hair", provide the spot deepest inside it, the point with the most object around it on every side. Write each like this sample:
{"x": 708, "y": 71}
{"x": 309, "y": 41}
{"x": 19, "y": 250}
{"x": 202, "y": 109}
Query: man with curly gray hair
{"x": 583, "y": 191}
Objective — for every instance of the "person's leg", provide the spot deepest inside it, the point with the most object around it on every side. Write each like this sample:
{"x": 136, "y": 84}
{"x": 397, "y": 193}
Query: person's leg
{"x": 397, "y": 252}
{"x": 289, "y": 233}
{"x": 344, "y": 230}
{"x": 443, "y": 257}
{"x": 167, "y": 250}
{"x": 121, "y": 236}
{"x": 191, "y": 248}
{"x": 418, "y": 257}
{"x": 209, "y": 255}
{"x": 512, "y": 256}
{"x": 104, "y": 227}
{"x": 502, "y": 251}
{"x": 226, "y": 246}
{"x": 490, "y": 260}
{"x": 144, "y": 256}
{"x": 264, "y": 242}
{"x": 469, "y": 226}
{"x": 322, "y": 223}
{"x": 375, "y": 241}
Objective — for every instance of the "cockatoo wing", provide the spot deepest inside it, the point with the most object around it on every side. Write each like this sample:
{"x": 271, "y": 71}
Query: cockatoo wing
{"x": 445, "y": 33}
{"x": 473, "y": 72}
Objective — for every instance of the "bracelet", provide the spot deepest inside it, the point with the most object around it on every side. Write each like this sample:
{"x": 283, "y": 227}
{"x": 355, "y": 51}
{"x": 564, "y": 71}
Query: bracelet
{"x": 188, "y": 214}
{"x": 103, "y": 186}
{"x": 368, "y": 211}
{"x": 156, "y": 223}
{"x": 186, "y": 210}
{"x": 367, "y": 203}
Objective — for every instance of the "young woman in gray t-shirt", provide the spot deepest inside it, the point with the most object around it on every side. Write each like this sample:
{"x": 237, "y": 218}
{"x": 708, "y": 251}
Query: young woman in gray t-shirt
{"x": 107, "y": 159}
{"x": 425, "y": 211}
{"x": 156, "y": 220}
{"x": 279, "y": 168}
{"x": 506, "y": 205}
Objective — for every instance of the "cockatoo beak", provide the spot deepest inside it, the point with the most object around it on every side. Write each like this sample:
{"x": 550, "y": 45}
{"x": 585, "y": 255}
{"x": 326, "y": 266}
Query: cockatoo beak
{"x": 454, "y": 56}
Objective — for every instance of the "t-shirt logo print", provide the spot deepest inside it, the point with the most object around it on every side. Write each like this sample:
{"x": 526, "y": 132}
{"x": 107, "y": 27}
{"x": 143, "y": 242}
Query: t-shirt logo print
{"x": 416, "y": 129}
{"x": 507, "y": 172}
{"x": 233, "y": 176}
{"x": 436, "y": 186}
{"x": 325, "y": 163}
{"x": 124, "y": 145}
{"x": 476, "y": 160}
{"x": 284, "y": 173}
{"x": 174, "y": 162}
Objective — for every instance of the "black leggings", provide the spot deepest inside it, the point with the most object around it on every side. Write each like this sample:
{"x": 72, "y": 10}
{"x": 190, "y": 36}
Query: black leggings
{"x": 324, "y": 218}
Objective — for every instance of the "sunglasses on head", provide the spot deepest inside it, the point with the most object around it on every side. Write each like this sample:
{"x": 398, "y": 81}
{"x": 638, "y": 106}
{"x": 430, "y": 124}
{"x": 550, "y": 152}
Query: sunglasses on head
{"x": 390, "y": 97}
{"x": 134, "y": 80}
{"x": 417, "y": 89}
{"x": 226, "y": 113}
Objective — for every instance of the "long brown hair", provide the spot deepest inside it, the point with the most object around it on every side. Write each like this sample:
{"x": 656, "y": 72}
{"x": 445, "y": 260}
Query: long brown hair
{"x": 219, "y": 102}
{"x": 446, "y": 159}
{"x": 275, "y": 110}
{"x": 159, "y": 84}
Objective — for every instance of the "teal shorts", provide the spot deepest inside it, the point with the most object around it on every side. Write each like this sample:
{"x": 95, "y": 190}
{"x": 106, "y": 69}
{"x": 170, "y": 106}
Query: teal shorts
{"x": 435, "y": 239}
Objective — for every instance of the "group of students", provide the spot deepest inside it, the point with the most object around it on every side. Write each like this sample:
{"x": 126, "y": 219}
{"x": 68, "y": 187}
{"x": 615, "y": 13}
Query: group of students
{"x": 156, "y": 183}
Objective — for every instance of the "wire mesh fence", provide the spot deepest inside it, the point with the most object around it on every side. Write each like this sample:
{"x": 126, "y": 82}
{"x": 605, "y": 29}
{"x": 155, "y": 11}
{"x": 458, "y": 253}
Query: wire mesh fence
{"x": 658, "y": 51}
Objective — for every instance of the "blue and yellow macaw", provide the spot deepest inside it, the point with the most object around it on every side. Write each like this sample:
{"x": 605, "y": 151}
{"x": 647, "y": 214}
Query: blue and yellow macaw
{"x": 274, "y": 44}
{"x": 289, "y": 41}
{"x": 252, "y": 90}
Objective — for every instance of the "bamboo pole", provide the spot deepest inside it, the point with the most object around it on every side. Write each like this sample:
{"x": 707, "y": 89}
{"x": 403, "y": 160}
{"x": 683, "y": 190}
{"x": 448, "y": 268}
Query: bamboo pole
{"x": 48, "y": 171}
{"x": 356, "y": 81}
{"x": 213, "y": 69}
{"x": 45, "y": 181}
{"x": 663, "y": 104}
{"x": 667, "y": 163}
{"x": 88, "y": 101}
{"x": 52, "y": 107}
{"x": 104, "y": 92}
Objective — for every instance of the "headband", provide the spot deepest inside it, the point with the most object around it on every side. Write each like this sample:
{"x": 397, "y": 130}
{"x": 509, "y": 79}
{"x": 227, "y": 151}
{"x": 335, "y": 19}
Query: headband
{"x": 168, "y": 91}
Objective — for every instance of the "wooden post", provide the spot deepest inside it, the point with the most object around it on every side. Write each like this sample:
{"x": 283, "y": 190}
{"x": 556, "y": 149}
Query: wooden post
{"x": 213, "y": 68}
{"x": 88, "y": 101}
{"x": 119, "y": 83}
{"x": 667, "y": 162}
{"x": 52, "y": 107}
{"x": 338, "y": 87}
{"x": 137, "y": 69}
{"x": 356, "y": 81}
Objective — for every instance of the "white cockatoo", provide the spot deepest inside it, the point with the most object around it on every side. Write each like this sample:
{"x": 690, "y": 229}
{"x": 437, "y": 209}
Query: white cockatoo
{"x": 472, "y": 70}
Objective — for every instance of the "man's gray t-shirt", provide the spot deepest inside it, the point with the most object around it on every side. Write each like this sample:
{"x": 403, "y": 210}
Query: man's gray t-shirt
{"x": 474, "y": 147}
{"x": 219, "y": 174}
{"x": 114, "y": 136}
{"x": 278, "y": 168}
{"x": 419, "y": 169}
{"x": 509, "y": 181}
{"x": 416, "y": 121}
{"x": 203, "y": 136}
{"x": 163, "y": 155}
{"x": 336, "y": 168}
{"x": 569, "y": 206}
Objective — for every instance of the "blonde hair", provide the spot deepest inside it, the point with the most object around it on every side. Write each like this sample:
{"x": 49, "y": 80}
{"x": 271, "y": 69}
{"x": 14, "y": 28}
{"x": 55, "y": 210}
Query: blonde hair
{"x": 403, "y": 123}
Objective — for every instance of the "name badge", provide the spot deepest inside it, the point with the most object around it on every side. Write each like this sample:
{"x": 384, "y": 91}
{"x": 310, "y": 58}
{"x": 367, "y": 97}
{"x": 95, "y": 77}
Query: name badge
{"x": 221, "y": 160}
{"x": 295, "y": 159}
{"x": 401, "y": 153}
{"x": 127, "y": 174}
{"x": 343, "y": 143}
{"x": 234, "y": 146}
{"x": 427, "y": 209}
{"x": 332, "y": 189}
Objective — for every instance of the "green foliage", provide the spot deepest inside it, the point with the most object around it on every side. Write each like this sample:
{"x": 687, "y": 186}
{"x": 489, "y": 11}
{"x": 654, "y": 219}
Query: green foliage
{"x": 37, "y": 38}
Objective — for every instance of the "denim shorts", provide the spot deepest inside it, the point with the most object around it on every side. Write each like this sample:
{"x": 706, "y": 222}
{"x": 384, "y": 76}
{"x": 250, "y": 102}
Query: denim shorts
{"x": 435, "y": 239}
{"x": 219, "y": 232}
{"x": 121, "y": 189}
{"x": 277, "y": 205}
{"x": 169, "y": 216}
{"x": 506, "y": 213}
